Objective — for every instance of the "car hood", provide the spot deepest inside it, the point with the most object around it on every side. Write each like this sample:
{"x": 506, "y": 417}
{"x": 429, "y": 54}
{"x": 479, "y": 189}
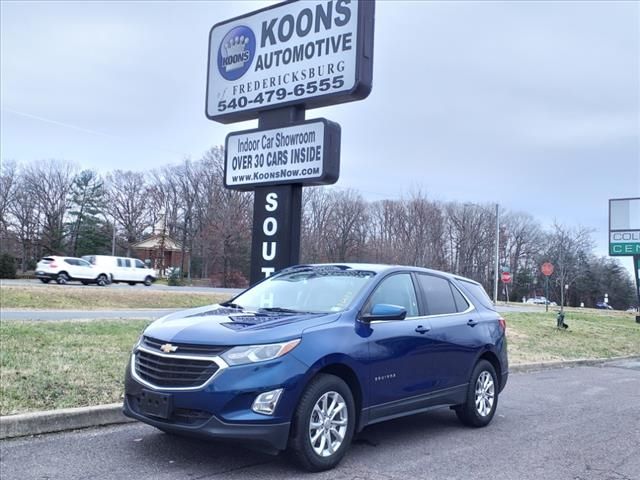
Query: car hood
{"x": 217, "y": 325}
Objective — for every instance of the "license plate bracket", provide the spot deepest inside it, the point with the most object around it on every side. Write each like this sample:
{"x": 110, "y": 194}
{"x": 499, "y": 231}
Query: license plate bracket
{"x": 156, "y": 404}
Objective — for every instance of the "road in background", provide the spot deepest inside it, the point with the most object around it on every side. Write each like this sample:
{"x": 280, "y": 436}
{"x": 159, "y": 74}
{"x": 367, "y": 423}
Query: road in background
{"x": 574, "y": 423}
{"x": 154, "y": 287}
{"x": 59, "y": 315}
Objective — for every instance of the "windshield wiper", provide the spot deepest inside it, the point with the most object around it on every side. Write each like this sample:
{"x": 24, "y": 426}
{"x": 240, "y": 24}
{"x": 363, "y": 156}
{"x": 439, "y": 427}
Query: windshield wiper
{"x": 280, "y": 310}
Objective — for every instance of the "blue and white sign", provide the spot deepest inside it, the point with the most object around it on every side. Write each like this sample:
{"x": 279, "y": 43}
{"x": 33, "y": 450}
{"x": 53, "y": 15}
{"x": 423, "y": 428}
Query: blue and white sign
{"x": 312, "y": 53}
{"x": 236, "y": 52}
{"x": 306, "y": 153}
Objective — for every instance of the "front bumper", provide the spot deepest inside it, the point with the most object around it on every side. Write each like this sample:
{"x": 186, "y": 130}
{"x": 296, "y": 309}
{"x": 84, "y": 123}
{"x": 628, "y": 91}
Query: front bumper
{"x": 270, "y": 438}
{"x": 221, "y": 409}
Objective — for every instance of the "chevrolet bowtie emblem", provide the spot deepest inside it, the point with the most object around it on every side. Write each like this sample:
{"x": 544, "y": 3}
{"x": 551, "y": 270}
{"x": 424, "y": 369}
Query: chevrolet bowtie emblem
{"x": 168, "y": 348}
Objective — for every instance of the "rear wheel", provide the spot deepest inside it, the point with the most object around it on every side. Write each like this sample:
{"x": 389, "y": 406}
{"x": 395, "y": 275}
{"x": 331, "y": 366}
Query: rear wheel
{"x": 323, "y": 424}
{"x": 62, "y": 278}
{"x": 45, "y": 280}
{"x": 102, "y": 280}
{"x": 482, "y": 396}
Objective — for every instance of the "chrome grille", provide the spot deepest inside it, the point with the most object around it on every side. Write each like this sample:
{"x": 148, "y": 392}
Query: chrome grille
{"x": 154, "y": 344}
{"x": 173, "y": 372}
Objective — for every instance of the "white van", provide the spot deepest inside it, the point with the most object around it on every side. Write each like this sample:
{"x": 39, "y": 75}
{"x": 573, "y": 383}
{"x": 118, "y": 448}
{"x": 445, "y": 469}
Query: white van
{"x": 124, "y": 269}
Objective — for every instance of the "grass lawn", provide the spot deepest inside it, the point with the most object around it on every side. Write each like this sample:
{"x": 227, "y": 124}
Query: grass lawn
{"x": 67, "y": 297}
{"x": 48, "y": 365}
{"x": 532, "y": 337}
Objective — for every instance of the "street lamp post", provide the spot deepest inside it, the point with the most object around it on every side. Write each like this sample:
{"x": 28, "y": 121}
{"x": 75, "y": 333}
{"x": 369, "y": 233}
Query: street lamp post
{"x": 497, "y": 258}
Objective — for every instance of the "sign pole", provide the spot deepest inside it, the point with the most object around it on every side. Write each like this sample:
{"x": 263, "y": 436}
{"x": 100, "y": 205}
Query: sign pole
{"x": 277, "y": 211}
{"x": 636, "y": 262}
{"x": 546, "y": 293}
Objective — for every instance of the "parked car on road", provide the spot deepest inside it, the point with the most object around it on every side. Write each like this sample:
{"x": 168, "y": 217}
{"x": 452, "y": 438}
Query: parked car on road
{"x": 540, "y": 301}
{"x": 65, "y": 269}
{"x": 124, "y": 269}
{"x": 307, "y": 358}
{"x": 603, "y": 306}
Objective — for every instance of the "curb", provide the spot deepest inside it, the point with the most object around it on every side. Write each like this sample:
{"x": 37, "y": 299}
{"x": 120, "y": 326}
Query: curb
{"x": 584, "y": 362}
{"x": 51, "y": 421}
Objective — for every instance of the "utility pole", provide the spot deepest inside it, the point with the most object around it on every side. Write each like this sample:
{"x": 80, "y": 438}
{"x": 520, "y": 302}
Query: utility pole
{"x": 497, "y": 259}
{"x": 113, "y": 240}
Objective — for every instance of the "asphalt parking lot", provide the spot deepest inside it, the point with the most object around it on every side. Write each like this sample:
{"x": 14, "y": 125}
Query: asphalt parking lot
{"x": 578, "y": 423}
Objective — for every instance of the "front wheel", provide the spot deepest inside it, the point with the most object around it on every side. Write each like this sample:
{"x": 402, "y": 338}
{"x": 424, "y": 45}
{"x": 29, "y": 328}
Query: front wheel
{"x": 148, "y": 281}
{"x": 323, "y": 424}
{"x": 482, "y": 396}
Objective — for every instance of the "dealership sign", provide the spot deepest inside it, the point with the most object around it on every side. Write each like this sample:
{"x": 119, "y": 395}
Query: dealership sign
{"x": 306, "y": 153}
{"x": 624, "y": 243}
{"x": 624, "y": 226}
{"x": 311, "y": 53}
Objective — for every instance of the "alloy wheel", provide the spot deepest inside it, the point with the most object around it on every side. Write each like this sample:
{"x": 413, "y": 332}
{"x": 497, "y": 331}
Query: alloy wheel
{"x": 328, "y": 424}
{"x": 485, "y": 393}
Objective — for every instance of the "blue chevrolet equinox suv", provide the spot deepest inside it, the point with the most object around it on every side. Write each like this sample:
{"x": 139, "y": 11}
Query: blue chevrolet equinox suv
{"x": 310, "y": 356}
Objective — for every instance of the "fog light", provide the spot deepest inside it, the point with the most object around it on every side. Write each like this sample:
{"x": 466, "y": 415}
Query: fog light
{"x": 266, "y": 402}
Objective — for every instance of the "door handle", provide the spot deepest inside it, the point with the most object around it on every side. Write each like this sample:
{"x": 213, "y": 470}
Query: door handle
{"x": 472, "y": 323}
{"x": 421, "y": 329}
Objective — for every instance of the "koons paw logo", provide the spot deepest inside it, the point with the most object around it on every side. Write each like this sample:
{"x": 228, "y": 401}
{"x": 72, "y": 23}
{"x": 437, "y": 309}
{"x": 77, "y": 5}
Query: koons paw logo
{"x": 236, "y": 52}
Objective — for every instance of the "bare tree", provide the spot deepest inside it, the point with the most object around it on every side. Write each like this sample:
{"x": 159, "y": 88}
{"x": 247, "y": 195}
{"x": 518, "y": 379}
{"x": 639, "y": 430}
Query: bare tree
{"x": 49, "y": 183}
{"x": 567, "y": 248}
{"x": 8, "y": 183}
{"x": 128, "y": 203}
{"x": 25, "y": 222}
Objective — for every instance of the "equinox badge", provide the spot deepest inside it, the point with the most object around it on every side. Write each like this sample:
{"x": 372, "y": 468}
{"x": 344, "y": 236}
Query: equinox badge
{"x": 168, "y": 348}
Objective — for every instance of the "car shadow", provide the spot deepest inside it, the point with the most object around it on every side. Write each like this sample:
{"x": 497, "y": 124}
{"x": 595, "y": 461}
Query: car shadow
{"x": 218, "y": 457}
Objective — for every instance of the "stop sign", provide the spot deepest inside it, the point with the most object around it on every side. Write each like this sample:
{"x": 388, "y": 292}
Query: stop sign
{"x": 547, "y": 268}
{"x": 506, "y": 277}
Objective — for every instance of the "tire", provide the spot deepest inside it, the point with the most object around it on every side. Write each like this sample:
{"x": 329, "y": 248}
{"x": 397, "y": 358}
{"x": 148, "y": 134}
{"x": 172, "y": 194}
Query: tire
{"x": 315, "y": 456}
{"x": 482, "y": 396}
{"x": 148, "y": 281}
{"x": 102, "y": 280}
{"x": 133, "y": 284}
{"x": 62, "y": 278}
{"x": 45, "y": 280}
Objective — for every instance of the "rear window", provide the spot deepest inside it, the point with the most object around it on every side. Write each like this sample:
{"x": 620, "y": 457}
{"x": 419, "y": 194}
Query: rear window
{"x": 478, "y": 292}
{"x": 438, "y": 295}
{"x": 47, "y": 260}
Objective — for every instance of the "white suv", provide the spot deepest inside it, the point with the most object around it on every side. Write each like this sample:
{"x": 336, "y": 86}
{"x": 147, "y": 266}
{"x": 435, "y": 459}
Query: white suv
{"x": 65, "y": 269}
{"x": 123, "y": 269}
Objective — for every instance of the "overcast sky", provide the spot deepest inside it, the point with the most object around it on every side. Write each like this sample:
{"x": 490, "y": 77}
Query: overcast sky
{"x": 535, "y": 105}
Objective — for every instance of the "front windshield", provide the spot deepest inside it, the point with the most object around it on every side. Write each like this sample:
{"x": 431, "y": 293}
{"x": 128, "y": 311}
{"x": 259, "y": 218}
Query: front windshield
{"x": 321, "y": 290}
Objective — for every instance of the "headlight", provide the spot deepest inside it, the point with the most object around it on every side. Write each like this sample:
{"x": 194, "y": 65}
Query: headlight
{"x": 258, "y": 353}
{"x": 138, "y": 342}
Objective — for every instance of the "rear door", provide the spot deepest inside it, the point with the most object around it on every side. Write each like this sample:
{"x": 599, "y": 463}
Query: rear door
{"x": 121, "y": 273}
{"x": 453, "y": 319}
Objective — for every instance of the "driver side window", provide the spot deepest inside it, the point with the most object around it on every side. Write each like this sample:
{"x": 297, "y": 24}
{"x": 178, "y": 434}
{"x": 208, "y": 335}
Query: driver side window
{"x": 396, "y": 290}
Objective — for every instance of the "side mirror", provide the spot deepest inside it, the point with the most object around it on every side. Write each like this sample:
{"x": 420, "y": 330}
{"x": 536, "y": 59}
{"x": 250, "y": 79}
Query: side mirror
{"x": 384, "y": 311}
